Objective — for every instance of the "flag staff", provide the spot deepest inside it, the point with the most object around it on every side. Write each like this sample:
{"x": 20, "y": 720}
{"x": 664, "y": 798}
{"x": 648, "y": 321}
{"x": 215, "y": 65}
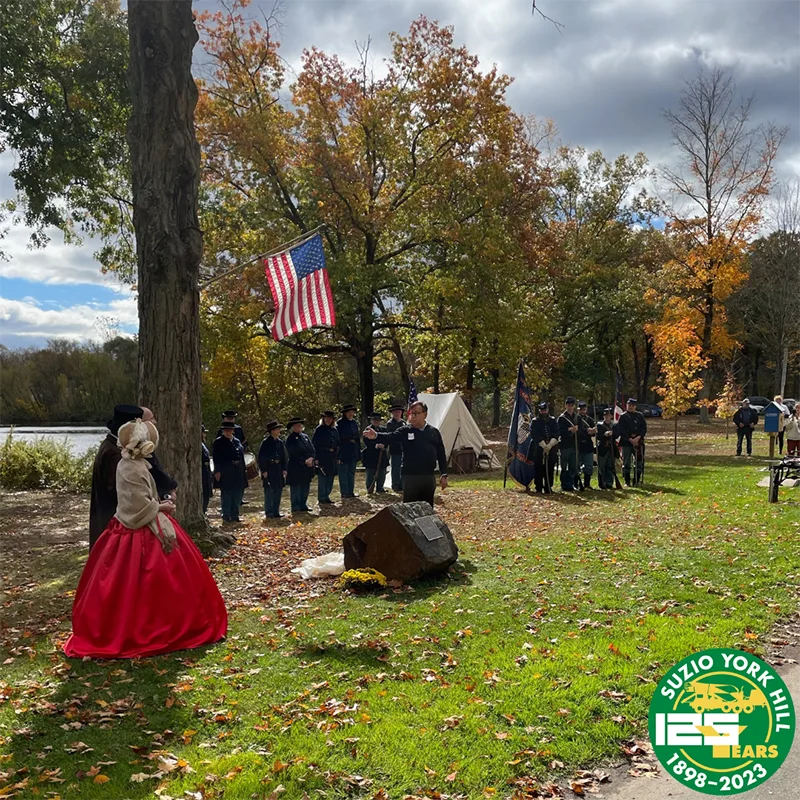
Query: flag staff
{"x": 274, "y": 251}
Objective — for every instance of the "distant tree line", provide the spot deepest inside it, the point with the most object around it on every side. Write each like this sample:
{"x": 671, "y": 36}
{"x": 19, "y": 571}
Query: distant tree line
{"x": 66, "y": 382}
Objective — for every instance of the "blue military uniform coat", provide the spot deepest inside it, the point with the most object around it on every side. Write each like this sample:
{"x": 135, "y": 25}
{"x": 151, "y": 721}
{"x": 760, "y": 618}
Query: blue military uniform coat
{"x": 326, "y": 444}
{"x": 299, "y": 448}
{"x": 349, "y": 440}
{"x": 370, "y": 454}
{"x": 228, "y": 457}
{"x": 272, "y": 459}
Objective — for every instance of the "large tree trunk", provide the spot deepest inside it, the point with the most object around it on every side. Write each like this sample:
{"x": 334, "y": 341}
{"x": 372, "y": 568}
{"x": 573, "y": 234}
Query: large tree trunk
{"x": 366, "y": 382}
{"x": 648, "y": 363}
{"x": 705, "y": 373}
{"x": 470, "y": 387}
{"x": 165, "y": 169}
{"x": 636, "y": 368}
{"x": 496, "y": 398}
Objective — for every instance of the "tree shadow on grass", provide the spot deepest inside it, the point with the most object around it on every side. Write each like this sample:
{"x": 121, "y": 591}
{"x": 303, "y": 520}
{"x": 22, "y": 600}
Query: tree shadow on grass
{"x": 82, "y": 713}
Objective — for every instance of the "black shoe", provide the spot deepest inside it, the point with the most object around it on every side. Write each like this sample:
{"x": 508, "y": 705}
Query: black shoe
{"x": 326, "y": 502}
{"x": 227, "y": 519}
{"x": 245, "y": 503}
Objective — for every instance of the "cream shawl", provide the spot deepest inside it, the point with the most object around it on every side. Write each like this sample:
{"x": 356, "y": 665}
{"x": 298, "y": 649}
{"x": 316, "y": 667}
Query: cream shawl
{"x": 137, "y": 496}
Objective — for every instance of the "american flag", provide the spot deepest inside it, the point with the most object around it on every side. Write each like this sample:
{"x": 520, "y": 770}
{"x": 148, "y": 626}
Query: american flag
{"x": 300, "y": 288}
{"x": 412, "y": 392}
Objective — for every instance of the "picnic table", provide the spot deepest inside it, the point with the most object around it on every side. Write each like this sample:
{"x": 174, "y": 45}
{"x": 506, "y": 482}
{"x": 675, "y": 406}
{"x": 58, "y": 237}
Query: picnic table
{"x": 780, "y": 472}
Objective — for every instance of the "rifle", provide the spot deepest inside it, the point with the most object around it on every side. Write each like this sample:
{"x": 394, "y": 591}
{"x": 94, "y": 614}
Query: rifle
{"x": 613, "y": 449}
{"x": 546, "y": 459}
{"x": 377, "y": 470}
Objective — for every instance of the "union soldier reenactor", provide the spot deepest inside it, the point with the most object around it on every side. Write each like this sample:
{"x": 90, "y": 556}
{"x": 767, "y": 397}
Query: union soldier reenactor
{"x": 632, "y": 428}
{"x": 745, "y": 419}
{"x": 567, "y": 431}
{"x": 374, "y": 458}
{"x": 230, "y": 416}
{"x": 544, "y": 432}
{"x": 326, "y": 444}
{"x": 207, "y": 478}
{"x": 238, "y": 433}
{"x": 395, "y": 448}
{"x": 300, "y": 467}
{"x": 349, "y": 450}
{"x": 228, "y": 455}
{"x": 606, "y": 450}
{"x": 586, "y": 433}
{"x": 422, "y": 448}
{"x": 272, "y": 460}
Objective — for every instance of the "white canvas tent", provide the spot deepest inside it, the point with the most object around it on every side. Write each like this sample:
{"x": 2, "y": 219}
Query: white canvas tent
{"x": 448, "y": 413}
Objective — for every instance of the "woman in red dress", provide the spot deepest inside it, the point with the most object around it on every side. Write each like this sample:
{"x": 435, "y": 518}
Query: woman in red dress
{"x": 145, "y": 589}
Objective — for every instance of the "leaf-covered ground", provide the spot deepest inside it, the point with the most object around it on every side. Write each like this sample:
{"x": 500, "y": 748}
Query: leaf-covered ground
{"x": 520, "y": 674}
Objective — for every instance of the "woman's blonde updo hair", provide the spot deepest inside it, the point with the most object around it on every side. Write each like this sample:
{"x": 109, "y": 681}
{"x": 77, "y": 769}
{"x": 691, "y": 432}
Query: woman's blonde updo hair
{"x": 137, "y": 439}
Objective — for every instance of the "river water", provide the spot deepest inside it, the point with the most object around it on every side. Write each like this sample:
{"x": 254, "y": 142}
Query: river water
{"x": 79, "y": 439}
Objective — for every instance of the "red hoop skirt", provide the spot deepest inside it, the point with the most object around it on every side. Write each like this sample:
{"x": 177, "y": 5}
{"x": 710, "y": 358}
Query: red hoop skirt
{"x": 135, "y": 600}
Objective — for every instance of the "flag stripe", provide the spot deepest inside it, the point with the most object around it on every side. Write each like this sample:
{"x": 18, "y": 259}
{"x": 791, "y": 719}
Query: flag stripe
{"x": 289, "y": 277}
{"x": 329, "y": 312}
{"x": 300, "y": 289}
{"x": 314, "y": 285}
{"x": 278, "y": 293}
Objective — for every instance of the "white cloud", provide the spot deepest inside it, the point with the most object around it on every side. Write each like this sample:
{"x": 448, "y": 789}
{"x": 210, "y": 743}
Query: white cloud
{"x": 25, "y": 321}
{"x": 57, "y": 263}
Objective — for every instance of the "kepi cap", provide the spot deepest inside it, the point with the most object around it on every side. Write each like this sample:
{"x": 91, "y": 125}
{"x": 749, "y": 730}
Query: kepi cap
{"x": 582, "y": 404}
{"x": 544, "y": 404}
{"x": 632, "y": 400}
{"x": 569, "y": 400}
{"x": 608, "y": 410}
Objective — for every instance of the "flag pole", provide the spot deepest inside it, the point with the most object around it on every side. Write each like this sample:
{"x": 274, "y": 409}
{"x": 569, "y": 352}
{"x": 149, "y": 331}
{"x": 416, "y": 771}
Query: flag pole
{"x": 297, "y": 240}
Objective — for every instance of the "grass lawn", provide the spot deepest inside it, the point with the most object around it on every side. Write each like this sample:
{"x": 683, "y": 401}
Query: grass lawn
{"x": 535, "y": 658}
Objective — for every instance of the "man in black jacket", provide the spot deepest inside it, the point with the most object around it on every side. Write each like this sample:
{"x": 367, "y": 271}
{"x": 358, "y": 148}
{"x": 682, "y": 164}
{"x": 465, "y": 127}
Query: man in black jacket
{"x": 326, "y": 444}
{"x": 423, "y": 448}
{"x": 745, "y": 420}
{"x": 544, "y": 433}
{"x": 396, "y": 449}
{"x": 272, "y": 460}
{"x": 632, "y": 428}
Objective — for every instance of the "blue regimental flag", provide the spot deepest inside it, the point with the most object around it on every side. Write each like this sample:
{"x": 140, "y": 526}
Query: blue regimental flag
{"x": 520, "y": 467}
{"x": 412, "y": 392}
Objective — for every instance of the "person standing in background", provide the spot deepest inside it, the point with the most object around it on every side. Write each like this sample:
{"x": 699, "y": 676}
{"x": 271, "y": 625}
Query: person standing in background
{"x": 349, "y": 451}
{"x": 395, "y": 448}
{"x": 326, "y": 446}
{"x": 272, "y": 460}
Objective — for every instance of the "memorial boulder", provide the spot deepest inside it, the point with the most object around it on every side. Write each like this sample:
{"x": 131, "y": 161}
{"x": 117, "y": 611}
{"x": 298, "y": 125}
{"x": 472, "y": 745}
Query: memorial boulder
{"x": 405, "y": 542}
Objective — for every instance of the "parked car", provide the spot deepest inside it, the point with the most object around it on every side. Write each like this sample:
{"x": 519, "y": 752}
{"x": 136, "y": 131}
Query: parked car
{"x": 649, "y": 410}
{"x": 790, "y": 403}
{"x": 758, "y": 403}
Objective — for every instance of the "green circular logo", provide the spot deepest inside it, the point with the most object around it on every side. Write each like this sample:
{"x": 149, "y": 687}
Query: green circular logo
{"x": 722, "y": 721}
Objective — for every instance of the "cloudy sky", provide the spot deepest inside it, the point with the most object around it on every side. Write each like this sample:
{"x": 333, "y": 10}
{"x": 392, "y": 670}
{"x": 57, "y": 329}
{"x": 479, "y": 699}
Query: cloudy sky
{"x": 604, "y": 80}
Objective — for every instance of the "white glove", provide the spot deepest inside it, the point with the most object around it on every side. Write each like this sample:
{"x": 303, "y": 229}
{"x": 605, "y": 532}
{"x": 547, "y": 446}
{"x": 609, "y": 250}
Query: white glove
{"x": 543, "y": 445}
{"x": 553, "y": 443}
